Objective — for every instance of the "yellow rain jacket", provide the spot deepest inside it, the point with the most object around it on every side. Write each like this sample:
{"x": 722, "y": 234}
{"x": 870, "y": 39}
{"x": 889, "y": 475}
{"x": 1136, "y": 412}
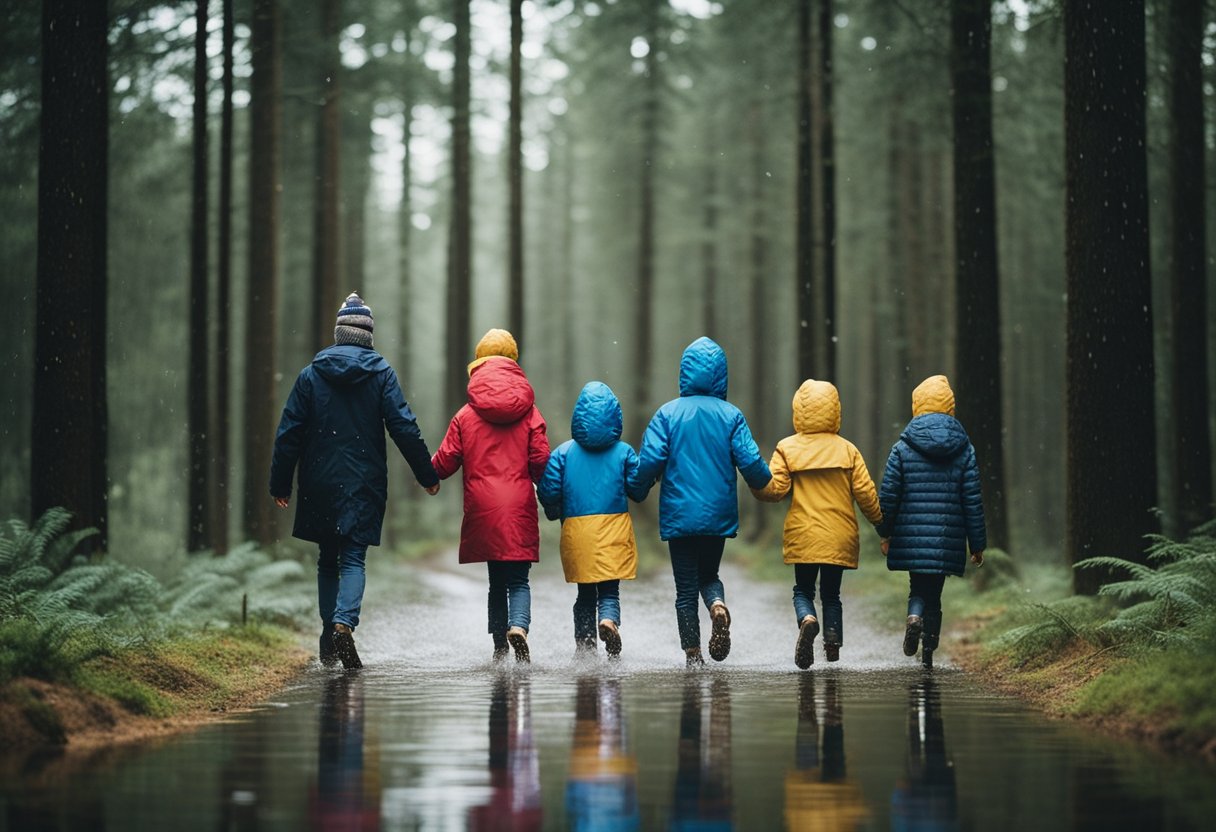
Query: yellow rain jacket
{"x": 827, "y": 475}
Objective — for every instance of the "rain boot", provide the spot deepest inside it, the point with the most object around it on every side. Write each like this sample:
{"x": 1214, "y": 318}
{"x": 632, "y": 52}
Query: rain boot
{"x": 831, "y": 645}
{"x": 804, "y": 649}
{"x": 912, "y": 634}
{"x": 517, "y": 637}
{"x": 329, "y": 657}
{"x": 719, "y": 640}
{"x": 610, "y": 634}
{"x": 926, "y": 657}
{"x": 693, "y": 658}
{"x": 501, "y": 649}
{"x": 344, "y": 647}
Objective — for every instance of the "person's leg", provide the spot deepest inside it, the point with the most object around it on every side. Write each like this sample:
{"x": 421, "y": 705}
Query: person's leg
{"x": 352, "y": 580}
{"x": 327, "y": 596}
{"x": 610, "y": 616}
{"x": 833, "y": 614}
{"x": 496, "y": 606}
{"x": 709, "y": 559}
{"x": 804, "y": 606}
{"x": 519, "y": 607}
{"x": 916, "y": 610}
{"x": 584, "y": 616}
{"x": 684, "y": 570}
{"x": 932, "y": 594}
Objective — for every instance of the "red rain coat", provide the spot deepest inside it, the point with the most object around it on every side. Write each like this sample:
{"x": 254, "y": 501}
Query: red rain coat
{"x": 499, "y": 438}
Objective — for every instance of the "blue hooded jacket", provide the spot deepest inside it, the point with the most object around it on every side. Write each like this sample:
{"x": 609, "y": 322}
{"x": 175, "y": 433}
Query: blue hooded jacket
{"x": 932, "y": 508}
{"x": 695, "y": 443}
{"x": 333, "y": 427}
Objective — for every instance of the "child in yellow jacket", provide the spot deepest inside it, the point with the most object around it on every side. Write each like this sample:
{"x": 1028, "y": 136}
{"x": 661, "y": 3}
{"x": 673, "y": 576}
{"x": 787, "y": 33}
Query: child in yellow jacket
{"x": 827, "y": 475}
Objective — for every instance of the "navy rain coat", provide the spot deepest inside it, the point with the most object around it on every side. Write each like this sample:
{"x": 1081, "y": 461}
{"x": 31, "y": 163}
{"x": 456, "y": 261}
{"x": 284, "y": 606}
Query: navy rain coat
{"x": 333, "y": 428}
{"x": 932, "y": 509}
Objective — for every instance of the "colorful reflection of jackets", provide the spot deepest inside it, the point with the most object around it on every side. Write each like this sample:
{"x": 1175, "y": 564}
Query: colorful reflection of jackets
{"x": 499, "y": 439}
{"x": 695, "y": 443}
{"x": 818, "y": 795}
{"x": 704, "y": 795}
{"x": 585, "y": 485}
{"x": 827, "y": 475}
{"x": 346, "y": 797}
{"x": 602, "y": 784}
{"x": 514, "y": 801}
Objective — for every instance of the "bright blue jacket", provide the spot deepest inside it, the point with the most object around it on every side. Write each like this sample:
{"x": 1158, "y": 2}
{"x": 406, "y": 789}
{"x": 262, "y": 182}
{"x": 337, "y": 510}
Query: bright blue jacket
{"x": 333, "y": 427}
{"x": 932, "y": 509}
{"x": 585, "y": 485}
{"x": 695, "y": 443}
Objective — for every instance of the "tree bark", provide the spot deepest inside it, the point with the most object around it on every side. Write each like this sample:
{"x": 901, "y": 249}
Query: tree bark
{"x": 405, "y": 213}
{"x": 198, "y": 489}
{"x": 978, "y": 348}
{"x": 709, "y": 235}
{"x": 515, "y": 176}
{"x": 460, "y": 228}
{"x": 221, "y": 441}
{"x": 326, "y": 219}
{"x": 1112, "y": 467}
{"x": 825, "y": 163}
{"x": 357, "y": 144}
{"x": 1187, "y": 263}
{"x": 804, "y": 265}
{"x": 758, "y": 260}
{"x": 650, "y": 153}
{"x": 68, "y": 450}
{"x": 261, "y": 309}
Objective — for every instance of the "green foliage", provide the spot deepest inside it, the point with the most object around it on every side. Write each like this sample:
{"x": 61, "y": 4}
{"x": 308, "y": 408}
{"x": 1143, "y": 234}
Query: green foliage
{"x": 1041, "y": 632}
{"x": 210, "y": 591}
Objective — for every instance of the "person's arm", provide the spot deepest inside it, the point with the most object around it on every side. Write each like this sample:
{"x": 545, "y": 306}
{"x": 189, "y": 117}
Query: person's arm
{"x": 890, "y": 494}
{"x": 538, "y": 446}
{"x": 289, "y": 440}
{"x": 973, "y": 508}
{"x": 863, "y": 490}
{"x": 780, "y": 484}
{"x": 402, "y": 426}
{"x": 448, "y": 458}
{"x": 634, "y": 489}
{"x": 549, "y": 489}
{"x": 652, "y": 458}
{"x": 746, "y": 455}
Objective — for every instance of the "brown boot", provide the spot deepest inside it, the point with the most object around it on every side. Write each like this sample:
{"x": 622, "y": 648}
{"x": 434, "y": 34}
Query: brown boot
{"x": 693, "y": 658}
{"x": 517, "y": 637}
{"x": 804, "y": 649}
{"x": 719, "y": 641}
{"x": 611, "y": 636}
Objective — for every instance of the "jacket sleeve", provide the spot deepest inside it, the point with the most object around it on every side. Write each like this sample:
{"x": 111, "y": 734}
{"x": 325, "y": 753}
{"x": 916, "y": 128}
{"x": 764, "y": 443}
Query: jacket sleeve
{"x": 633, "y": 486}
{"x": 448, "y": 458}
{"x": 973, "y": 504}
{"x": 891, "y": 493}
{"x": 746, "y": 455}
{"x": 863, "y": 490}
{"x": 652, "y": 458}
{"x": 538, "y": 446}
{"x": 289, "y": 440}
{"x": 403, "y": 428}
{"x": 549, "y": 489}
{"x": 779, "y": 485}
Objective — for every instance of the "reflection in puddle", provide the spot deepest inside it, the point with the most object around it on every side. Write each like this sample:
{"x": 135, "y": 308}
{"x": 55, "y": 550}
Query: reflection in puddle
{"x": 602, "y": 783}
{"x": 926, "y": 798}
{"x": 514, "y": 762}
{"x": 703, "y": 779}
{"x": 818, "y": 794}
{"x": 346, "y": 794}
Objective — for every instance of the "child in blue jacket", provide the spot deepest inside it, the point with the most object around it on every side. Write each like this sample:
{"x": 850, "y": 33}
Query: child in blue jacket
{"x": 932, "y": 510}
{"x": 696, "y": 443}
{"x": 585, "y": 485}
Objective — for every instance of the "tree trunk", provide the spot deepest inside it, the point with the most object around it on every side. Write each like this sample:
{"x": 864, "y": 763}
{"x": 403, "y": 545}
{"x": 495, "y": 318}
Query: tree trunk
{"x": 645, "y": 296}
{"x": 1112, "y": 467}
{"x": 709, "y": 235}
{"x": 460, "y": 227}
{"x": 758, "y": 259}
{"x": 825, "y": 203}
{"x": 198, "y": 489}
{"x": 804, "y": 265}
{"x": 261, "y": 309}
{"x": 221, "y": 442}
{"x": 515, "y": 176}
{"x": 68, "y": 450}
{"x": 357, "y": 144}
{"x": 1188, "y": 278}
{"x": 978, "y": 348}
{"x": 405, "y": 213}
{"x": 326, "y": 220}
{"x": 569, "y": 335}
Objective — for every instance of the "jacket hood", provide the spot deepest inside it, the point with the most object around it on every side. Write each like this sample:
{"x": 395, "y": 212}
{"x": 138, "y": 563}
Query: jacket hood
{"x": 495, "y": 342}
{"x": 817, "y": 407}
{"x": 936, "y": 435}
{"x": 703, "y": 369}
{"x": 933, "y": 395}
{"x": 596, "y": 421}
{"x": 348, "y": 364}
{"x": 499, "y": 391}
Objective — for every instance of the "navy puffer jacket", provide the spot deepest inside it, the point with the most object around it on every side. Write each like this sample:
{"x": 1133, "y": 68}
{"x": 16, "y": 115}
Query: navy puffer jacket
{"x": 333, "y": 428}
{"x": 930, "y": 497}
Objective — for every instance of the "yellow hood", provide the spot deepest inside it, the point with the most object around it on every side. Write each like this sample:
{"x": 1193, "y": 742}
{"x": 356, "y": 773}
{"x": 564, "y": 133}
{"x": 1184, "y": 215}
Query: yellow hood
{"x": 933, "y": 395}
{"x": 496, "y": 342}
{"x": 817, "y": 407}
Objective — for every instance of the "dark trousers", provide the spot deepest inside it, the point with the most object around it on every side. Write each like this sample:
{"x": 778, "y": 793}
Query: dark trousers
{"x": 829, "y": 577}
{"x": 510, "y": 598}
{"x": 925, "y": 600}
{"x": 694, "y": 564}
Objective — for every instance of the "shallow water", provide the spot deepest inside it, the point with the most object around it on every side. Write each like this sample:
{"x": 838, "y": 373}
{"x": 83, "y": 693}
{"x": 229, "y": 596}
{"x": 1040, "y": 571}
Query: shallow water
{"x": 432, "y": 736}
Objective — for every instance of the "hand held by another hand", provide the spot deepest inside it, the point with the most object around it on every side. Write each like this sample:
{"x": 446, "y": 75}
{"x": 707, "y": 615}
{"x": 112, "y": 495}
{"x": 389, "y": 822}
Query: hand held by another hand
{"x": 432, "y": 490}
{"x": 885, "y": 543}
{"x": 977, "y": 558}
{"x": 282, "y": 502}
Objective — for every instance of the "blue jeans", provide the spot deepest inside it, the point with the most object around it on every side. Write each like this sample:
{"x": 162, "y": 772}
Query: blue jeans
{"x": 341, "y": 578}
{"x": 604, "y": 598}
{"x": 694, "y": 564}
{"x": 829, "y": 591}
{"x": 510, "y": 599}
{"x": 925, "y": 600}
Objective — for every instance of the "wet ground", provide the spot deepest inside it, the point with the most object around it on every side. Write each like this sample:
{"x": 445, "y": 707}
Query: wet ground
{"x": 431, "y": 735}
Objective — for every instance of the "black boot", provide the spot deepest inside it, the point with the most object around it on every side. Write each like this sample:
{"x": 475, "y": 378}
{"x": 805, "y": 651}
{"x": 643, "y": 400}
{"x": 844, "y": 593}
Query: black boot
{"x": 329, "y": 657}
{"x": 344, "y": 647}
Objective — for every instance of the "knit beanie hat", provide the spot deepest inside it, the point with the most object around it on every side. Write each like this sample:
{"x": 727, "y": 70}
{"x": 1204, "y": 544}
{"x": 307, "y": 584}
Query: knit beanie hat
{"x": 355, "y": 323}
{"x": 933, "y": 395}
{"x": 495, "y": 343}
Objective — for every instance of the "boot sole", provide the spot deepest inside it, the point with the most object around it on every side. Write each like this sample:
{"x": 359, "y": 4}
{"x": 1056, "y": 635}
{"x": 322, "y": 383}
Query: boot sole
{"x": 519, "y": 643}
{"x": 612, "y": 641}
{"x": 912, "y": 636}
{"x": 804, "y": 649}
{"x": 344, "y": 647}
{"x": 719, "y": 641}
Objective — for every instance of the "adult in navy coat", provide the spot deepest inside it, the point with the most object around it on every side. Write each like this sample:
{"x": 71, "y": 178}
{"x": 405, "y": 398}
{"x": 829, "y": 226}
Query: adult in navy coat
{"x": 332, "y": 429}
{"x": 696, "y": 443}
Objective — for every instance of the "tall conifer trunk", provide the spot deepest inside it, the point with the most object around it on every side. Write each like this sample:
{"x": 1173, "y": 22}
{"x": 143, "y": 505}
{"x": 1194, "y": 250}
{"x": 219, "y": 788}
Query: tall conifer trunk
{"x": 515, "y": 177}
{"x": 460, "y": 227}
{"x": 326, "y": 213}
{"x": 199, "y": 518}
